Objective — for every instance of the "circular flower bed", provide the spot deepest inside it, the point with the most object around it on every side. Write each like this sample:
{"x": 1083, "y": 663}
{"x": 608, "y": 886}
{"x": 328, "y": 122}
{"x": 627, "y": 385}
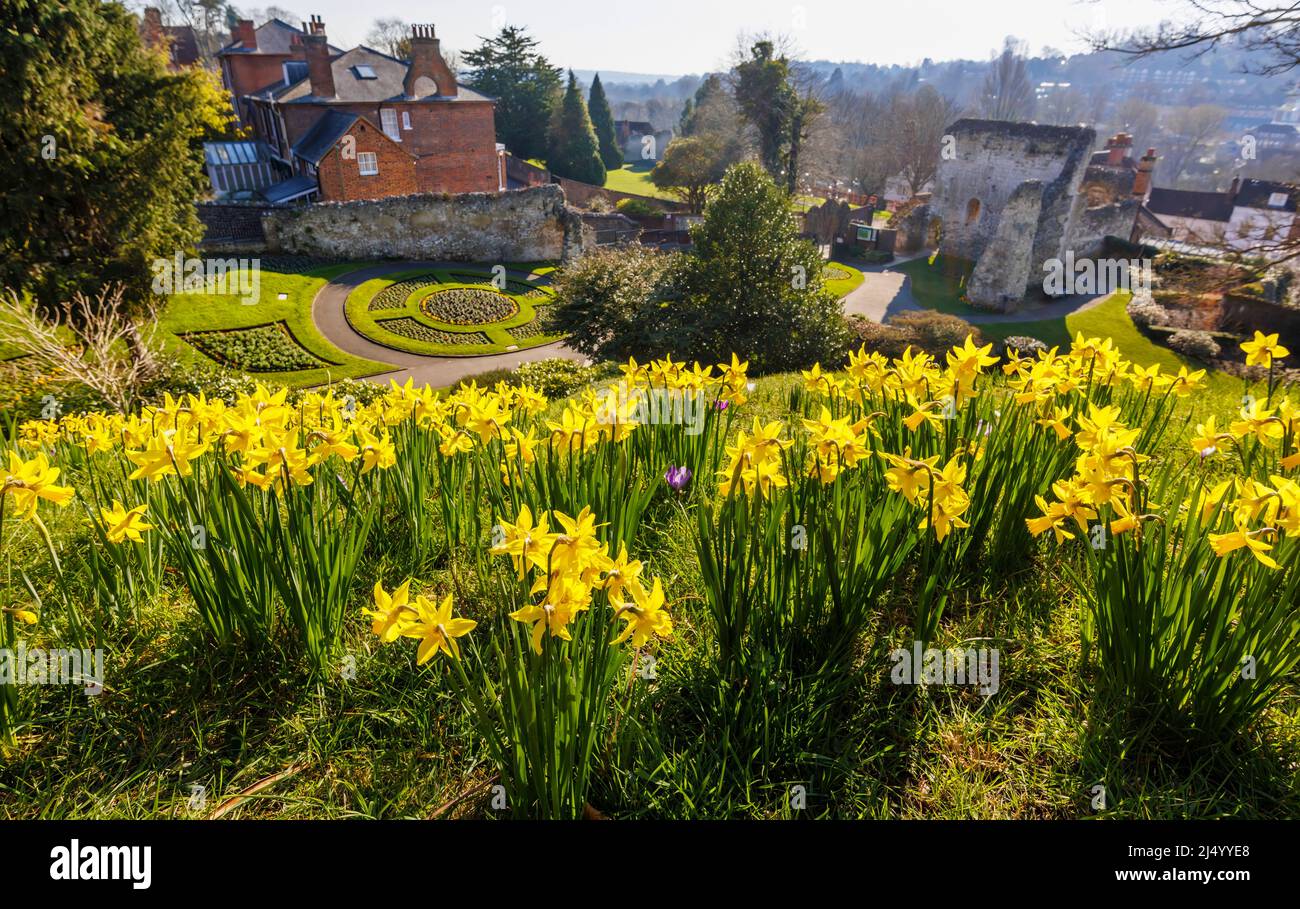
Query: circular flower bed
{"x": 468, "y": 306}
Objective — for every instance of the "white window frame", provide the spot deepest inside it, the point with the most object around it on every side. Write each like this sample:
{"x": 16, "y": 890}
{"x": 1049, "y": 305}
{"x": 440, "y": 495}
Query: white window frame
{"x": 368, "y": 164}
{"x": 388, "y": 118}
{"x": 406, "y": 119}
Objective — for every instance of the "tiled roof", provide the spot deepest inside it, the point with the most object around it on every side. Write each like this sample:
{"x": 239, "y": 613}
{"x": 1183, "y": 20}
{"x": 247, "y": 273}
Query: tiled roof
{"x": 1184, "y": 203}
{"x": 390, "y": 73}
{"x": 317, "y": 141}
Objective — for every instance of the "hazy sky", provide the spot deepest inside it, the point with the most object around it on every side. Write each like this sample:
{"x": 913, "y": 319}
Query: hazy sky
{"x": 691, "y": 36}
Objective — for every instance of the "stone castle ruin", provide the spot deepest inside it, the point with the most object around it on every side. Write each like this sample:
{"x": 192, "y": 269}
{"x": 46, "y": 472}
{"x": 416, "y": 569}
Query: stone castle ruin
{"x": 1014, "y": 196}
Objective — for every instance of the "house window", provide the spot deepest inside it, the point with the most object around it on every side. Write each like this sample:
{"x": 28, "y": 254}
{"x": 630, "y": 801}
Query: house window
{"x": 367, "y": 163}
{"x": 388, "y": 120}
{"x": 364, "y": 72}
{"x": 1277, "y": 200}
{"x": 406, "y": 119}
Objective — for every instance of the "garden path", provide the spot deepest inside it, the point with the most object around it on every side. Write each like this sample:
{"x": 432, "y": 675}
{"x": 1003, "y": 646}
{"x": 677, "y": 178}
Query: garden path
{"x": 331, "y": 320}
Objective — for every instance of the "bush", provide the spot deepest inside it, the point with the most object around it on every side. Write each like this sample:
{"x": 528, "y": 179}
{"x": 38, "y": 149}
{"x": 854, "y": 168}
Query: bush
{"x": 934, "y": 333}
{"x": 607, "y": 302}
{"x": 1198, "y": 344}
{"x": 488, "y": 379}
{"x": 1145, "y": 311}
{"x": 556, "y": 377}
{"x": 638, "y": 208}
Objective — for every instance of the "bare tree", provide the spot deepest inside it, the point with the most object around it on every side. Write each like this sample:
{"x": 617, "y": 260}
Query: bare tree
{"x": 1191, "y": 128}
{"x": 1008, "y": 92}
{"x": 392, "y": 36}
{"x": 917, "y": 124}
{"x": 100, "y": 330}
{"x": 1271, "y": 29}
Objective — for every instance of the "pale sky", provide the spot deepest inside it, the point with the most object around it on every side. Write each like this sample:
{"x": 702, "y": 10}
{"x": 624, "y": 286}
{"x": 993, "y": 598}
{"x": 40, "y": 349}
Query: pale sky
{"x": 693, "y": 36}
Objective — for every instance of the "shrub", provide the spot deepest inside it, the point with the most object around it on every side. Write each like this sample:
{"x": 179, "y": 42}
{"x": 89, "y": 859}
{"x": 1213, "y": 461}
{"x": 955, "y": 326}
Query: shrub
{"x": 608, "y": 302}
{"x": 1198, "y": 344}
{"x": 637, "y": 208}
{"x": 487, "y": 379}
{"x": 556, "y": 377}
{"x": 1145, "y": 311}
{"x": 935, "y": 333}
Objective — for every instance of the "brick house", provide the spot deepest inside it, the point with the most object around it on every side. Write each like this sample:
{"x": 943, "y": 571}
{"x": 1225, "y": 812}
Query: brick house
{"x": 359, "y": 124}
{"x": 179, "y": 40}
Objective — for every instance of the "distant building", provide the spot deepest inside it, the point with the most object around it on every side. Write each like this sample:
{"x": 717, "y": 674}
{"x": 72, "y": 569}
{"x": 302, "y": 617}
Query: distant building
{"x": 1251, "y": 216}
{"x": 182, "y": 46}
{"x": 358, "y": 124}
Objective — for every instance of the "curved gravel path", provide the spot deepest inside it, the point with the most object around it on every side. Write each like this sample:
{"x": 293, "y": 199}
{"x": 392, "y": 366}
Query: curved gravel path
{"x": 328, "y": 312}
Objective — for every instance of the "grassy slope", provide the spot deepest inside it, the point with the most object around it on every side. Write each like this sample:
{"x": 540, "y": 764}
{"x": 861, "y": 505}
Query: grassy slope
{"x": 200, "y": 312}
{"x": 635, "y": 178}
{"x": 393, "y": 742}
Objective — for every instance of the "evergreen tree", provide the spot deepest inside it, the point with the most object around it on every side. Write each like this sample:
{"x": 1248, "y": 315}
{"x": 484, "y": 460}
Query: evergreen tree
{"x": 523, "y": 82}
{"x": 602, "y": 119}
{"x": 101, "y": 160}
{"x": 575, "y": 151}
{"x": 752, "y": 286}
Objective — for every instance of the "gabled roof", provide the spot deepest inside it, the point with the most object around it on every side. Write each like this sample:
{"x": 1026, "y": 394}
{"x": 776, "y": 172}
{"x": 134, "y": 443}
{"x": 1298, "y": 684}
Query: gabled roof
{"x": 387, "y": 85}
{"x": 317, "y": 141}
{"x": 1185, "y": 203}
{"x": 274, "y": 36}
{"x": 184, "y": 46}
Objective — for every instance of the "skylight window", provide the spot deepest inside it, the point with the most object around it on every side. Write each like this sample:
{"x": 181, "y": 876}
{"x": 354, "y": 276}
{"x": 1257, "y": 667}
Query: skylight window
{"x": 1277, "y": 200}
{"x": 364, "y": 71}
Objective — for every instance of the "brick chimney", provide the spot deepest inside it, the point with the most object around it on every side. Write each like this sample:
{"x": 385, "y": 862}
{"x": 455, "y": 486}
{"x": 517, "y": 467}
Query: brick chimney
{"x": 1117, "y": 149}
{"x": 297, "y": 49}
{"x": 245, "y": 34}
{"x": 427, "y": 63}
{"x": 152, "y": 27}
{"x": 1142, "y": 180}
{"x": 319, "y": 73}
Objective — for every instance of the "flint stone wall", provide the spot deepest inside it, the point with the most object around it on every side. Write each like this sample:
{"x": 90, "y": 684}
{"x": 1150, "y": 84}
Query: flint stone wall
{"x": 521, "y": 225}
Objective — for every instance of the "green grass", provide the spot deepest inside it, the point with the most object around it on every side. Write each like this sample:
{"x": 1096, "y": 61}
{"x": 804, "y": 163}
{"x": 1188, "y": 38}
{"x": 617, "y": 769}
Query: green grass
{"x": 635, "y": 178}
{"x": 499, "y": 334}
{"x": 209, "y": 312}
{"x": 843, "y": 286}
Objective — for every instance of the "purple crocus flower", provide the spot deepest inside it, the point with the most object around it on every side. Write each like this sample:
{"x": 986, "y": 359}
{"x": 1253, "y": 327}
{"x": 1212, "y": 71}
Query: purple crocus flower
{"x": 677, "y": 478}
{"x": 722, "y": 405}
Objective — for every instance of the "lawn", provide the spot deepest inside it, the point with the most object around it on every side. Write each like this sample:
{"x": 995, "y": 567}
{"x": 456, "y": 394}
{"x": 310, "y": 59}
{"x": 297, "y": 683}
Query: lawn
{"x": 204, "y": 317}
{"x": 635, "y": 178}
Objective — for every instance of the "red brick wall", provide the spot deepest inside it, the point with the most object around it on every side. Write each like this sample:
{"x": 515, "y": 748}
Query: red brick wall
{"x": 454, "y": 142}
{"x": 247, "y": 73}
{"x": 341, "y": 180}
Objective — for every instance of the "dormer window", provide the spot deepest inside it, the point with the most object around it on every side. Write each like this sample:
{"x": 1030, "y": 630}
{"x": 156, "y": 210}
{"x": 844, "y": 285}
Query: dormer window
{"x": 364, "y": 71}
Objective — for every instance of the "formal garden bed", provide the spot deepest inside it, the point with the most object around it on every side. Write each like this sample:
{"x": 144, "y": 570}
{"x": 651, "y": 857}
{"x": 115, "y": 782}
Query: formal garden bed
{"x": 462, "y": 311}
{"x": 257, "y": 349}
